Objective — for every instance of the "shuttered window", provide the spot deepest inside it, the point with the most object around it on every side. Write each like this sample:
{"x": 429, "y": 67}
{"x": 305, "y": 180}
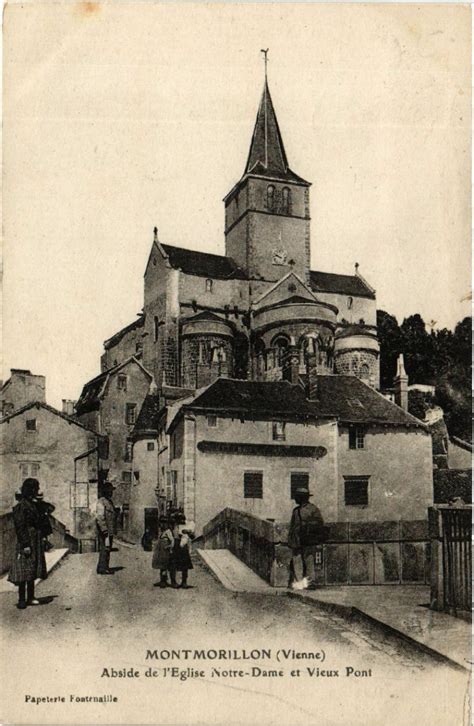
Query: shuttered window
{"x": 356, "y": 491}
{"x": 253, "y": 485}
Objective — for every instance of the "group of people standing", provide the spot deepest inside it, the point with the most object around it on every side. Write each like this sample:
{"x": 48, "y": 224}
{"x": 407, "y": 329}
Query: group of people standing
{"x": 170, "y": 549}
{"x": 171, "y": 553}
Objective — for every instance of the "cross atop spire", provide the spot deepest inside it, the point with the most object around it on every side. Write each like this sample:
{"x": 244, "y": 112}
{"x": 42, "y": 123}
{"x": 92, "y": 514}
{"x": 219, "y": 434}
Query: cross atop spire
{"x": 265, "y": 54}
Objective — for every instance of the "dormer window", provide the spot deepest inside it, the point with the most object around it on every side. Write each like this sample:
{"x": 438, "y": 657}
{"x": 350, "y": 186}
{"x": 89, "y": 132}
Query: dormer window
{"x": 270, "y": 197}
{"x": 286, "y": 200}
{"x": 209, "y": 285}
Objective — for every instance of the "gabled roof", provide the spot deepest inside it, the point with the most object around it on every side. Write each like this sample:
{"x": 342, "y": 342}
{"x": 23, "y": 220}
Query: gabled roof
{"x": 342, "y": 284}
{"x": 51, "y": 409}
{"x": 345, "y": 398}
{"x": 203, "y": 264}
{"x": 139, "y": 323}
{"x": 94, "y": 389}
{"x": 267, "y": 156}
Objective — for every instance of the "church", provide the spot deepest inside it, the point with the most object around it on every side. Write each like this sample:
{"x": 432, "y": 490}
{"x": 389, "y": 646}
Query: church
{"x": 296, "y": 347}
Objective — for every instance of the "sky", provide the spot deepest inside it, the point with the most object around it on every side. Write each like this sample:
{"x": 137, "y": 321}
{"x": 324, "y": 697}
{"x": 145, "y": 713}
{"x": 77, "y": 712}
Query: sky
{"x": 119, "y": 117}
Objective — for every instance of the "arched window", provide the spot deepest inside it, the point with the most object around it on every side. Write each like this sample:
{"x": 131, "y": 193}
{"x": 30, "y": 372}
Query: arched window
{"x": 280, "y": 343}
{"x": 286, "y": 200}
{"x": 365, "y": 371}
{"x": 270, "y": 197}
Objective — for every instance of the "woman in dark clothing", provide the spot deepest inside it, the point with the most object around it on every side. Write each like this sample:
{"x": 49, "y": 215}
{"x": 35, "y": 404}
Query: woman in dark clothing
{"x": 180, "y": 556}
{"x": 29, "y": 563}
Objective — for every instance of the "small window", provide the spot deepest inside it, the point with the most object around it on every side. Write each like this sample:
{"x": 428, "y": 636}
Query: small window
{"x": 299, "y": 480}
{"x": 209, "y": 284}
{"x": 155, "y": 328}
{"x": 31, "y": 424}
{"x": 212, "y": 421}
{"x": 127, "y": 477}
{"x": 253, "y": 485}
{"x": 350, "y": 302}
{"x": 130, "y": 413}
{"x": 270, "y": 197}
{"x": 128, "y": 451}
{"x": 356, "y": 491}
{"x": 150, "y": 446}
{"x": 356, "y": 437}
{"x": 8, "y": 408}
{"x": 278, "y": 431}
{"x": 286, "y": 200}
{"x": 122, "y": 382}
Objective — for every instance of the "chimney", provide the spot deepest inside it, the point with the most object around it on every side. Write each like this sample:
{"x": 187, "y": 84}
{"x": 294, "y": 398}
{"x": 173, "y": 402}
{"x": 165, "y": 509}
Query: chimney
{"x": 312, "y": 369}
{"x": 291, "y": 364}
{"x": 401, "y": 385}
{"x": 68, "y": 406}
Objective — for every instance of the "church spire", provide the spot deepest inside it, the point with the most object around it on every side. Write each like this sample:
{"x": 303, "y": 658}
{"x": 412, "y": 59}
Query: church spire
{"x": 267, "y": 156}
{"x": 266, "y": 149}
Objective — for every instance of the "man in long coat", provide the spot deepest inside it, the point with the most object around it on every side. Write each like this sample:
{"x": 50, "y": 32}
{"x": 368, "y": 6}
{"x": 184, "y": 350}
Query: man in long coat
{"x": 105, "y": 521}
{"x": 306, "y": 531}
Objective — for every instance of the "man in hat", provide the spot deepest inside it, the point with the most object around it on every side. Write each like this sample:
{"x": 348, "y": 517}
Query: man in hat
{"x": 306, "y": 529}
{"x": 105, "y": 521}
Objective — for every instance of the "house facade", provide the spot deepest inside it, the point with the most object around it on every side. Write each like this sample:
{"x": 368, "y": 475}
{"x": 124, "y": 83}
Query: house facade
{"x": 248, "y": 445}
{"x": 64, "y": 455}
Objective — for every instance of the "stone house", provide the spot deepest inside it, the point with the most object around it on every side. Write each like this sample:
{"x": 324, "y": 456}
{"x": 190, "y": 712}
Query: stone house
{"x": 109, "y": 404}
{"x": 247, "y": 444}
{"x": 65, "y": 456}
{"x": 21, "y": 388}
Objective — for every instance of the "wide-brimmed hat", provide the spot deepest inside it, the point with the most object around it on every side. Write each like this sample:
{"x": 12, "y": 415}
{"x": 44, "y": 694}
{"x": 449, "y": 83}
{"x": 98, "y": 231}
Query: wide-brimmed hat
{"x": 302, "y": 490}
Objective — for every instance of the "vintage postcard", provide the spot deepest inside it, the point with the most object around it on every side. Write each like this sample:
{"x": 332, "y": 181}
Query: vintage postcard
{"x": 235, "y": 408}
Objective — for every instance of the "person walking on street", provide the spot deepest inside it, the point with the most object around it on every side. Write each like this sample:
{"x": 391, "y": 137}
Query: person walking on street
{"x": 29, "y": 563}
{"x": 105, "y": 522}
{"x": 306, "y": 532}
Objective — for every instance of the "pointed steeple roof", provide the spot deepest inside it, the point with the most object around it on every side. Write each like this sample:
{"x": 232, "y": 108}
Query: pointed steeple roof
{"x": 267, "y": 156}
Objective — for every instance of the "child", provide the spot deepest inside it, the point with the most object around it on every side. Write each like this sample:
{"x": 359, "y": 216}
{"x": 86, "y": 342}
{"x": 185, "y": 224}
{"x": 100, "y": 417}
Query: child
{"x": 45, "y": 509}
{"x": 181, "y": 558}
{"x": 162, "y": 559}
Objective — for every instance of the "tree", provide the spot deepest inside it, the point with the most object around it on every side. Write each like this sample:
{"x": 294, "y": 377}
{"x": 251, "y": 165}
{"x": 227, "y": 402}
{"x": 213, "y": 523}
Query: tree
{"x": 390, "y": 342}
{"x": 418, "y": 347}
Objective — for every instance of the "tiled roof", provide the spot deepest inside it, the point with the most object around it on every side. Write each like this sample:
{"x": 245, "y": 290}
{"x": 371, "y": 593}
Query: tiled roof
{"x": 148, "y": 416}
{"x": 139, "y": 323}
{"x": 343, "y": 284}
{"x": 89, "y": 400}
{"x": 51, "y": 409}
{"x": 346, "y": 398}
{"x": 90, "y": 395}
{"x": 203, "y": 264}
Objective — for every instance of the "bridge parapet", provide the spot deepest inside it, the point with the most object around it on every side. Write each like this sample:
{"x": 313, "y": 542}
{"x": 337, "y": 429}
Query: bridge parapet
{"x": 355, "y": 553}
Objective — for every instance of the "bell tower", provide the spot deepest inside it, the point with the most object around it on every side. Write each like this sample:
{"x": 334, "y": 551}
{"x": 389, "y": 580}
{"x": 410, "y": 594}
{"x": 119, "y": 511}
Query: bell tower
{"x": 267, "y": 222}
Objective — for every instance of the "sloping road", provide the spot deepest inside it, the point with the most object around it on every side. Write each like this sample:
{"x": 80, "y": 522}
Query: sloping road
{"x": 88, "y": 623}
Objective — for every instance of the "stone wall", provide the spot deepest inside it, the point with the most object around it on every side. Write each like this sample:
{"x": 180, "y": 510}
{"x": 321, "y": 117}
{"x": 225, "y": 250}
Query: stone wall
{"x": 355, "y": 553}
{"x": 350, "y": 362}
{"x": 191, "y": 363}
